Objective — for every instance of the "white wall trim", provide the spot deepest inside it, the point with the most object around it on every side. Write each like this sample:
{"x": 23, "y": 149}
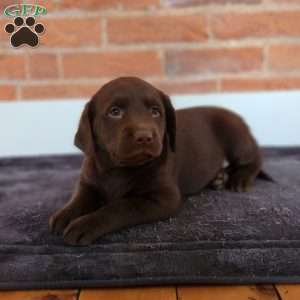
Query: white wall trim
{"x": 48, "y": 127}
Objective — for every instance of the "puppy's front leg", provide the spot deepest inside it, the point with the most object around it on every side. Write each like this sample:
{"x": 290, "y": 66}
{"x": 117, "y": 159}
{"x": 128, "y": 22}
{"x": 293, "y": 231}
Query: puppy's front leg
{"x": 123, "y": 213}
{"x": 84, "y": 201}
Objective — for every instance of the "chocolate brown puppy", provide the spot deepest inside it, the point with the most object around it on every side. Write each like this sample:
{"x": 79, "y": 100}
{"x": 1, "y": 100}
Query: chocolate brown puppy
{"x": 142, "y": 158}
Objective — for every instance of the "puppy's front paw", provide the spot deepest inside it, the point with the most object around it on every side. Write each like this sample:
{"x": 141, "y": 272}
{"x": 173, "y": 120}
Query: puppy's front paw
{"x": 82, "y": 231}
{"x": 59, "y": 220}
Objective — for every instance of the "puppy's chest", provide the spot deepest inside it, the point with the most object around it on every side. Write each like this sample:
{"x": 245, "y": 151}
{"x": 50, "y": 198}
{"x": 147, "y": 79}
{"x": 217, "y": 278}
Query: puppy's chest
{"x": 116, "y": 184}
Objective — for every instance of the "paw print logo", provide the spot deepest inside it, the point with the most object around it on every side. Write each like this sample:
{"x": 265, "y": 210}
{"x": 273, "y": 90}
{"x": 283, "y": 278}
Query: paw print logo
{"x": 24, "y": 32}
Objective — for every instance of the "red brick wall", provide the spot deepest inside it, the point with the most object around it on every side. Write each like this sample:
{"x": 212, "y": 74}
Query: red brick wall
{"x": 182, "y": 46}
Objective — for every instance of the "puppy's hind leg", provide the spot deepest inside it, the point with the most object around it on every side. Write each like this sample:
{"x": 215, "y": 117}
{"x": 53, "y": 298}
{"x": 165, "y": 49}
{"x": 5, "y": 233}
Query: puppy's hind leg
{"x": 244, "y": 165}
{"x": 240, "y": 149}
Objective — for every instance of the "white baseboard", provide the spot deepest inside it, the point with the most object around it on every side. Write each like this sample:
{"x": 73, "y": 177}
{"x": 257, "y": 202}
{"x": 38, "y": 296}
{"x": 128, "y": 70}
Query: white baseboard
{"x": 48, "y": 127}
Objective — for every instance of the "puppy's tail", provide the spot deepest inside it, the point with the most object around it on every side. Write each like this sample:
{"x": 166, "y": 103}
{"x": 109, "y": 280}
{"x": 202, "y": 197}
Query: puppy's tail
{"x": 265, "y": 176}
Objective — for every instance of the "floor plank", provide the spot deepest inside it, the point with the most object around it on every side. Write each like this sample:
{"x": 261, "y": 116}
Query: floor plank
{"x": 140, "y": 293}
{"x": 289, "y": 291}
{"x": 39, "y": 295}
{"x": 250, "y": 292}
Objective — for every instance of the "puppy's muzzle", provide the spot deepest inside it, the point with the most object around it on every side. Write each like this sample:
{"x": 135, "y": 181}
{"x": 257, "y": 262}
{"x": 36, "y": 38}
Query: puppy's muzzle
{"x": 143, "y": 137}
{"x": 138, "y": 145}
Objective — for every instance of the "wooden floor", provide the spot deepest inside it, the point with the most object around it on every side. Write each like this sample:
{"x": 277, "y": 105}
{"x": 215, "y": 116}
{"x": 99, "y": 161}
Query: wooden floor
{"x": 251, "y": 292}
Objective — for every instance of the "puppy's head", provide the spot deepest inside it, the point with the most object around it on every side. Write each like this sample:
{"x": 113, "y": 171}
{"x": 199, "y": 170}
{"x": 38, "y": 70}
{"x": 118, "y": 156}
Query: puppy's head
{"x": 129, "y": 119}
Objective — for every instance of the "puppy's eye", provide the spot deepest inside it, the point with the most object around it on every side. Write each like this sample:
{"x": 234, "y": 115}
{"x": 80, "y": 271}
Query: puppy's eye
{"x": 155, "y": 111}
{"x": 115, "y": 112}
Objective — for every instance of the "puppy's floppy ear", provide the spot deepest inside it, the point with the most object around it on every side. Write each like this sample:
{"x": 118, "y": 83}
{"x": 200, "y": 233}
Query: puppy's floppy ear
{"x": 84, "y": 137}
{"x": 170, "y": 120}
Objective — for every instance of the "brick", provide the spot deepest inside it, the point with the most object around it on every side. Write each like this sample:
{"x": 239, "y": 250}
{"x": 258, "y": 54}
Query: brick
{"x": 59, "y": 90}
{"x": 189, "y": 87}
{"x": 151, "y": 29}
{"x": 5, "y": 3}
{"x": 284, "y": 57}
{"x": 186, "y": 3}
{"x": 232, "y": 60}
{"x": 4, "y": 37}
{"x": 71, "y": 32}
{"x": 285, "y": 2}
{"x": 7, "y": 92}
{"x": 251, "y": 84}
{"x": 12, "y": 66}
{"x": 139, "y": 4}
{"x": 262, "y": 24}
{"x": 139, "y": 63}
{"x": 107, "y": 4}
{"x": 88, "y": 4}
{"x": 43, "y": 66}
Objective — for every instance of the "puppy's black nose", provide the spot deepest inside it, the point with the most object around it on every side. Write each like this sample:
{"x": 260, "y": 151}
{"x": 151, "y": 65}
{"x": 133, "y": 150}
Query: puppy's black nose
{"x": 143, "y": 137}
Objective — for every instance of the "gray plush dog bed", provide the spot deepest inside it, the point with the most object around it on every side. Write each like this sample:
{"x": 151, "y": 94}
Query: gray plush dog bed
{"x": 219, "y": 236}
